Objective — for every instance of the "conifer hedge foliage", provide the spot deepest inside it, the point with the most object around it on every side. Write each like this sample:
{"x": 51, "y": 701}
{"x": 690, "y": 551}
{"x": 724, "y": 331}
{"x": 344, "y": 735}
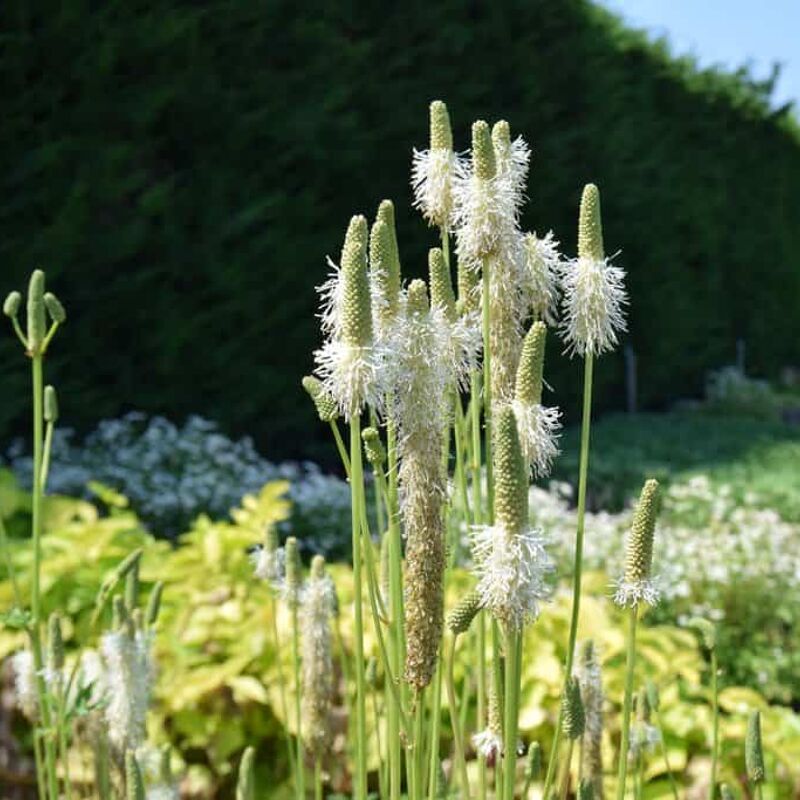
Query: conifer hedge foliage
{"x": 179, "y": 168}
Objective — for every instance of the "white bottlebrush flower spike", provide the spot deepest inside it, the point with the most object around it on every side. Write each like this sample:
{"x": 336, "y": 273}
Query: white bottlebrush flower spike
{"x": 511, "y": 562}
{"x": 25, "y": 683}
{"x": 513, "y": 160}
{"x": 542, "y": 267}
{"x": 349, "y": 363}
{"x": 594, "y": 291}
{"x": 434, "y": 171}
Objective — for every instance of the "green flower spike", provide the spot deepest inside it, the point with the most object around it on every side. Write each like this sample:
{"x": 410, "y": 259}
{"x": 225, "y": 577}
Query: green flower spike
{"x": 753, "y": 751}
{"x": 590, "y": 227}
{"x": 245, "y": 784}
{"x": 533, "y": 764}
{"x": 572, "y": 710}
{"x": 635, "y": 585}
{"x": 417, "y": 297}
{"x": 356, "y": 322}
{"x": 384, "y": 273}
{"x": 293, "y": 570}
{"x": 37, "y": 323}
{"x": 442, "y": 296}
{"x": 373, "y": 447}
{"x": 154, "y": 604}
{"x": 483, "y": 158}
{"x": 510, "y": 475}
{"x": 55, "y": 643}
{"x": 386, "y": 216}
{"x": 465, "y": 611}
{"x": 50, "y": 404}
{"x": 531, "y": 366}
{"x": 441, "y": 132}
{"x": 501, "y": 136}
{"x": 11, "y": 305}
{"x": 54, "y": 308}
{"x": 324, "y": 403}
{"x": 133, "y": 778}
{"x": 468, "y": 288}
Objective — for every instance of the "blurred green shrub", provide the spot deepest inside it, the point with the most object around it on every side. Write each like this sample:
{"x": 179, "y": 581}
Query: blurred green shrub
{"x": 182, "y": 169}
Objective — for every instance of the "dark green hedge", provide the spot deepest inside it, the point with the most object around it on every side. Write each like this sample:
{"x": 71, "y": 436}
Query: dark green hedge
{"x": 182, "y": 169}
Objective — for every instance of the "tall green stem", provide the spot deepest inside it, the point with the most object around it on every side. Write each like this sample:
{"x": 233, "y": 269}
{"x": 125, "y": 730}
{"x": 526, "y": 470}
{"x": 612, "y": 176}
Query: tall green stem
{"x": 481, "y": 636}
{"x": 281, "y": 682}
{"x": 630, "y": 663}
{"x": 436, "y": 721}
{"x": 577, "y": 574}
{"x": 511, "y": 711}
{"x": 672, "y": 785}
{"x": 458, "y": 741}
{"x": 712, "y": 787}
{"x": 356, "y": 484}
{"x": 300, "y": 788}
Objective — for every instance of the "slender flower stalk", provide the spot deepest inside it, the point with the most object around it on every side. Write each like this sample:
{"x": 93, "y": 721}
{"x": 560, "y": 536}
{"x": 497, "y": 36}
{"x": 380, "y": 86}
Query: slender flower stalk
{"x": 291, "y": 592}
{"x": 591, "y": 681}
{"x": 654, "y": 702}
{"x": 635, "y": 588}
{"x": 754, "y": 753}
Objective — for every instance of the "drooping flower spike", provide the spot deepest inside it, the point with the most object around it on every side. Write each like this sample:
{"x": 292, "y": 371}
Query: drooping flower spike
{"x": 349, "y": 363}
{"x": 538, "y": 425}
{"x": 511, "y": 561}
{"x": 434, "y": 171}
{"x": 636, "y": 585}
{"x": 594, "y": 291}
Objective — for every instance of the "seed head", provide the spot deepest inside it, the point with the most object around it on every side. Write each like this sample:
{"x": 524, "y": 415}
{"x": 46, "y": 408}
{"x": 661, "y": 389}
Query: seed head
{"x": 753, "y": 751}
{"x": 441, "y": 134}
{"x": 324, "y": 403}
{"x": 54, "y": 308}
{"x": 11, "y": 304}
{"x": 466, "y": 609}
{"x": 442, "y": 296}
{"x": 37, "y": 324}
{"x": 373, "y": 447}
{"x": 510, "y": 475}
{"x": 50, "y": 404}
{"x": 572, "y": 710}
{"x": 636, "y": 585}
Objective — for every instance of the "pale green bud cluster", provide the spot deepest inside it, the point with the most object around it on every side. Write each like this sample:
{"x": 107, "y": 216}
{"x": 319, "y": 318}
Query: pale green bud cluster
{"x": 530, "y": 369}
{"x": 639, "y": 555}
{"x": 483, "y": 157}
{"x": 753, "y": 750}
{"x": 37, "y": 322}
{"x": 572, "y": 710}
{"x": 441, "y": 132}
{"x": 373, "y": 447}
{"x": 510, "y": 474}
{"x": 323, "y": 402}
{"x": 386, "y": 216}
{"x": 54, "y": 308}
{"x": 11, "y": 304}
{"x": 356, "y": 321}
{"x": 590, "y": 226}
{"x": 442, "y": 296}
{"x": 465, "y": 611}
{"x": 50, "y": 404}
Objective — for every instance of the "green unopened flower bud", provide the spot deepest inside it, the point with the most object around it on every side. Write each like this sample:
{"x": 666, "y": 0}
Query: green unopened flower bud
{"x": 245, "y": 784}
{"x": 510, "y": 474}
{"x": 753, "y": 751}
{"x": 464, "y": 612}
{"x": 501, "y": 136}
{"x": 483, "y": 159}
{"x": 50, "y": 404}
{"x": 572, "y": 710}
{"x": 132, "y": 588}
{"x": 590, "y": 226}
{"x": 293, "y": 570}
{"x": 154, "y": 604}
{"x": 12, "y": 303}
{"x": 533, "y": 763}
{"x": 725, "y": 792}
{"x": 54, "y": 308}
{"x": 653, "y": 697}
{"x": 324, "y": 403}
{"x": 55, "y": 643}
{"x": 373, "y": 447}
{"x": 371, "y": 672}
{"x": 441, "y": 133}
{"x": 417, "y": 297}
{"x": 384, "y": 270}
{"x": 134, "y": 785}
{"x": 386, "y": 216}
{"x": 468, "y": 287}
{"x": 531, "y": 365}
{"x": 131, "y": 561}
{"x": 586, "y": 790}
{"x": 37, "y": 324}
{"x": 442, "y": 296}
{"x": 639, "y": 555}
{"x": 706, "y": 630}
{"x": 356, "y": 323}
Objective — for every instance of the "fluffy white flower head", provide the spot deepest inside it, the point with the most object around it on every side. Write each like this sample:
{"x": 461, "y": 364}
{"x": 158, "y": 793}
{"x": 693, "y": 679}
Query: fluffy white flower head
{"x": 25, "y": 683}
{"x": 543, "y": 264}
{"x": 513, "y": 160}
{"x": 539, "y": 428}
